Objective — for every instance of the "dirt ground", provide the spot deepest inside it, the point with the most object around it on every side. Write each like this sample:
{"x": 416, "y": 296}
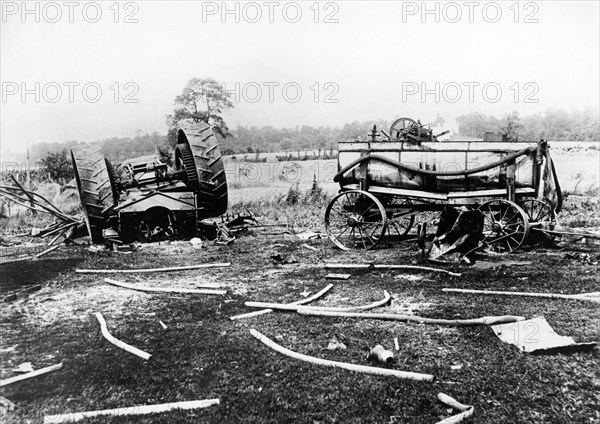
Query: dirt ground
{"x": 203, "y": 354}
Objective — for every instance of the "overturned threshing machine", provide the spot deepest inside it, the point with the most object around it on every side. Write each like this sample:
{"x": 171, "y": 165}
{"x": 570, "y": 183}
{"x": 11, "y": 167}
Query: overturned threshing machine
{"x": 386, "y": 181}
{"x": 152, "y": 202}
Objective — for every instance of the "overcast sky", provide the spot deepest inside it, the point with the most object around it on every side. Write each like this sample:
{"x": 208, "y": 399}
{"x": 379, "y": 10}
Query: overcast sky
{"x": 359, "y": 61}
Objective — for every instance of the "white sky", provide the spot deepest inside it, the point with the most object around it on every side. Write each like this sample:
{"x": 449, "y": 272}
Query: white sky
{"x": 368, "y": 54}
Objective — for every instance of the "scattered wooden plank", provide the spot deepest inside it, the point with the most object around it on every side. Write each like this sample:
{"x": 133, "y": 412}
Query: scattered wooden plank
{"x": 337, "y": 276}
{"x": 308, "y": 246}
{"x": 296, "y": 307}
{"x": 163, "y": 290}
{"x": 465, "y": 410}
{"x": 396, "y": 317}
{"x": 119, "y": 343}
{"x": 39, "y": 255}
{"x": 298, "y": 302}
{"x": 590, "y": 297}
{"x": 352, "y": 367}
{"x": 132, "y": 410}
{"x": 32, "y": 374}
{"x": 133, "y": 271}
{"x": 391, "y": 266}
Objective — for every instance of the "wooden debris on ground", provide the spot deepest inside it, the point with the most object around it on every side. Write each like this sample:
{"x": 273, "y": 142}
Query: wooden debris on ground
{"x": 132, "y": 410}
{"x": 466, "y": 411}
{"x": 164, "y": 289}
{"x": 32, "y": 374}
{"x": 491, "y": 320}
{"x": 591, "y": 296}
{"x": 352, "y": 367}
{"x": 168, "y": 269}
{"x": 337, "y": 276}
{"x": 391, "y": 266}
{"x": 295, "y": 307}
{"x": 298, "y": 302}
{"x": 117, "y": 342}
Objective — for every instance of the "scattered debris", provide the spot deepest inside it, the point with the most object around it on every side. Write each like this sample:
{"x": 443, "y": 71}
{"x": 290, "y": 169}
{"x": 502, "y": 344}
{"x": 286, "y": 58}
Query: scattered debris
{"x": 455, "y": 367}
{"x": 395, "y": 317}
{"x": 21, "y": 292}
{"x": 165, "y": 289}
{"x": 491, "y": 265}
{"x": 396, "y": 345}
{"x": 379, "y": 353}
{"x": 305, "y": 293}
{"x": 591, "y": 297}
{"x": 133, "y": 271}
{"x": 97, "y": 248}
{"x": 196, "y": 243}
{"x": 32, "y": 374}
{"x": 310, "y": 235}
{"x": 352, "y": 367}
{"x": 297, "y": 307}
{"x": 278, "y": 258}
{"x": 390, "y": 266}
{"x": 119, "y": 343}
{"x": 336, "y": 344}
{"x": 162, "y": 324}
{"x": 132, "y": 410}
{"x": 465, "y": 410}
{"x": 459, "y": 232}
{"x": 50, "y": 249}
{"x": 536, "y": 336}
{"x": 298, "y": 302}
{"x": 308, "y": 246}
{"x": 24, "y": 367}
{"x": 337, "y": 276}
{"x": 6, "y": 406}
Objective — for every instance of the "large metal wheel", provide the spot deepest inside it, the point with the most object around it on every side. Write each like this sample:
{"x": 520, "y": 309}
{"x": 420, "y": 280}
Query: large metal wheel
{"x": 205, "y": 170}
{"x": 96, "y": 187}
{"x": 537, "y": 210}
{"x": 401, "y": 128}
{"x": 355, "y": 219}
{"x": 505, "y": 225}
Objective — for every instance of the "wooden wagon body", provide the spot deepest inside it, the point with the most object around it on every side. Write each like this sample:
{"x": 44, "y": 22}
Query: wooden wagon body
{"x": 385, "y": 183}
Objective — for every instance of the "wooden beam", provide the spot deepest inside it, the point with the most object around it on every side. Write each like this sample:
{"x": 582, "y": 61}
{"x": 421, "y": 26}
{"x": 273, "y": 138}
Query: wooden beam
{"x": 132, "y": 410}
{"x": 298, "y": 302}
{"x": 119, "y": 343}
{"x": 352, "y": 367}
{"x": 133, "y": 271}
{"x": 31, "y": 374}
{"x": 292, "y": 307}
{"x": 411, "y": 318}
{"x": 590, "y": 297}
{"x": 391, "y": 266}
{"x": 163, "y": 289}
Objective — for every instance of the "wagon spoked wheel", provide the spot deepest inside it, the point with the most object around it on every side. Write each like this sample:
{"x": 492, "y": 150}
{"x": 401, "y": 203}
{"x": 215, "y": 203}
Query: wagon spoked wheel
{"x": 401, "y": 127}
{"x": 537, "y": 210}
{"x": 399, "y": 224}
{"x": 505, "y": 225}
{"x": 355, "y": 220}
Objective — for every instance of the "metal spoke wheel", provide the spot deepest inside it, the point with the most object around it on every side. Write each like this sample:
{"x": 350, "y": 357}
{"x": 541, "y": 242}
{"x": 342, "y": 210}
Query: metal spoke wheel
{"x": 402, "y": 127}
{"x": 355, "y": 219}
{"x": 505, "y": 225}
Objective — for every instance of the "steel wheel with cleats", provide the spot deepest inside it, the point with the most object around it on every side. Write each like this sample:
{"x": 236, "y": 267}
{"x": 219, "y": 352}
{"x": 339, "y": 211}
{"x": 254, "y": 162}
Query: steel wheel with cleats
{"x": 505, "y": 225}
{"x": 355, "y": 219}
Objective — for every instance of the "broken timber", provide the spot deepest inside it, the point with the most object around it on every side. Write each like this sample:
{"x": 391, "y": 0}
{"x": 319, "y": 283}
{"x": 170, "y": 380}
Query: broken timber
{"x": 396, "y": 317}
{"x": 298, "y": 302}
{"x": 591, "y": 297}
{"x": 391, "y": 266}
{"x": 163, "y": 290}
{"x": 119, "y": 343}
{"x": 352, "y": 367}
{"x": 31, "y": 374}
{"x": 465, "y": 410}
{"x": 132, "y": 271}
{"x": 132, "y": 410}
{"x": 292, "y": 307}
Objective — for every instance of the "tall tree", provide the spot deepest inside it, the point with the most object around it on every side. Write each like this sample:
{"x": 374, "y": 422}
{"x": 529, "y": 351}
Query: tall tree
{"x": 202, "y": 99}
{"x": 58, "y": 167}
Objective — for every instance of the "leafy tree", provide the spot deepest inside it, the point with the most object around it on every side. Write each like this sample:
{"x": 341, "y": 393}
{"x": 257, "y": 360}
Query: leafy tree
{"x": 58, "y": 167}
{"x": 512, "y": 126}
{"x": 202, "y": 99}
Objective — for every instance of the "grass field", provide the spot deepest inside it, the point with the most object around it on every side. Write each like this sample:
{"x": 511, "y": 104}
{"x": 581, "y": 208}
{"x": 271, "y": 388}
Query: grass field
{"x": 203, "y": 354}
